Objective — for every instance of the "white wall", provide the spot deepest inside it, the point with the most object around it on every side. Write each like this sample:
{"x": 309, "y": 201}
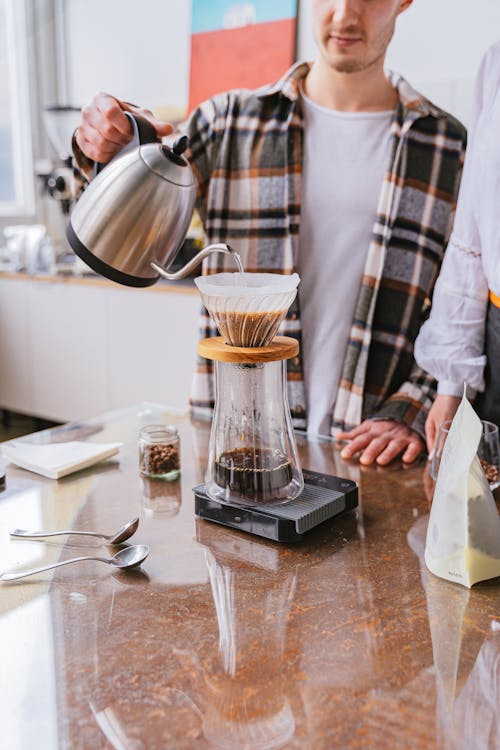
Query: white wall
{"x": 140, "y": 51}
{"x": 437, "y": 46}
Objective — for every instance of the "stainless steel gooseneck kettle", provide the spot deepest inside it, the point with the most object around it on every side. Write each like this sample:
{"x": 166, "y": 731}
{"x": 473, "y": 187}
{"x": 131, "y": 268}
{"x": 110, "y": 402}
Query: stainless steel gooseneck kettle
{"x": 133, "y": 217}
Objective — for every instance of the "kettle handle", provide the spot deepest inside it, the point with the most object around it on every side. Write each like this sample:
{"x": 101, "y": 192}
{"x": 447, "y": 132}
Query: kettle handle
{"x": 143, "y": 132}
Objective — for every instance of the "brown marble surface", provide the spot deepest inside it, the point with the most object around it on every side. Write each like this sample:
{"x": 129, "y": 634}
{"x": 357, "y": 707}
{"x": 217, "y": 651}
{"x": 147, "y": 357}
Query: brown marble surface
{"x": 223, "y": 640}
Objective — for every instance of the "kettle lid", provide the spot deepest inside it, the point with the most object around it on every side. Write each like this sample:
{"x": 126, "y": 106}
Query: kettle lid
{"x": 169, "y": 162}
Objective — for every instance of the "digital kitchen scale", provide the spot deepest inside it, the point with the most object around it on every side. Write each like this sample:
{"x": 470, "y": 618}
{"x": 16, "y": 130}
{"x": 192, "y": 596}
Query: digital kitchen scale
{"x": 322, "y": 498}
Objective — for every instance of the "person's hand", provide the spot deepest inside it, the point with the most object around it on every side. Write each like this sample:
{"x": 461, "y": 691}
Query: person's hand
{"x": 444, "y": 407}
{"x": 382, "y": 440}
{"x": 104, "y": 129}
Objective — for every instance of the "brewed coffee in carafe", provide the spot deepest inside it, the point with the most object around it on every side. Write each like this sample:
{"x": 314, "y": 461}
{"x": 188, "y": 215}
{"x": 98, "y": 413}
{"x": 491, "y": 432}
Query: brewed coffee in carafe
{"x": 253, "y": 472}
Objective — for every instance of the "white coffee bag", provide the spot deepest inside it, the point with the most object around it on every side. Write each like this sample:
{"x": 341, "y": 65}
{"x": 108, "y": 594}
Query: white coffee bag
{"x": 463, "y": 535}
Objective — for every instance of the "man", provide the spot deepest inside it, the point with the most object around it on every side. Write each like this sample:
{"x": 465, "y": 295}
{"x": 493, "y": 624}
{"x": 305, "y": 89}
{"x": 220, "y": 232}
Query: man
{"x": 460, "y": 343}
{"x": 351, "y": 177}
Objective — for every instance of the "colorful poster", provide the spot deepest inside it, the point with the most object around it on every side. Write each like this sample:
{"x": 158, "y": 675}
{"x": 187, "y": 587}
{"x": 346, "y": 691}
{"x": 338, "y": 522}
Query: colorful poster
{"x": 237, "y": 44}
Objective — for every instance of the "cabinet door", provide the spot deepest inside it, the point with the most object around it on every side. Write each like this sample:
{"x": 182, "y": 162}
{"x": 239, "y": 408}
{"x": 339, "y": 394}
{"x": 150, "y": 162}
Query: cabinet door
{"x": 16, "y": 384}
{"x": 153, "y": 337}
{"x": 68, "y": 344}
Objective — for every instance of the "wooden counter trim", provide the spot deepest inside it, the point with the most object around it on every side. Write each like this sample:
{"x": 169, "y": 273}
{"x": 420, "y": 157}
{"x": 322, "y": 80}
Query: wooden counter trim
{"x": 95, "y": 282}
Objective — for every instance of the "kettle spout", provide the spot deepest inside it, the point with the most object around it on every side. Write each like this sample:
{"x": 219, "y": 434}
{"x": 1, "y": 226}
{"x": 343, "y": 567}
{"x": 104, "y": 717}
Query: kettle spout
{"x": 218, "y": 247}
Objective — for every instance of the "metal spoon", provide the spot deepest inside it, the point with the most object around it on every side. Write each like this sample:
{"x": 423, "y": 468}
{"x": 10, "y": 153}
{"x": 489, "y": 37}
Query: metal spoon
{"x": 130, "y": 557}
{"x": 120, "y": 536}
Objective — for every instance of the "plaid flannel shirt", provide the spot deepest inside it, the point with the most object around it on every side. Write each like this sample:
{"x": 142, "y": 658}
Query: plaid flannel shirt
{"x": 246, "y": 153}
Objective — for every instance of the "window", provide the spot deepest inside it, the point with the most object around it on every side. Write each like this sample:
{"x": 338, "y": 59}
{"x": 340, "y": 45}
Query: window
{"x": 16, "y": 162}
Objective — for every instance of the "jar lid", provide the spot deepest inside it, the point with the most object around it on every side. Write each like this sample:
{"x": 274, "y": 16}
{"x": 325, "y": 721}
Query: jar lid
{"x": 159, "y": 433}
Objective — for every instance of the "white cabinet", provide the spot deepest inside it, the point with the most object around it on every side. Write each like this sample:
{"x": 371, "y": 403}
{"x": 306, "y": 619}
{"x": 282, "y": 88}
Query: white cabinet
{"x": 71, "y": 350}
{"x": 68, "y": 326}
{"x": 152, "y": 344}
{"x": 16, "y": 376}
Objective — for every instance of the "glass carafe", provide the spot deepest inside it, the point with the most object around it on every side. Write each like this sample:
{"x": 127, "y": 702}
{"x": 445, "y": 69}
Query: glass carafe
{"x": 253, "y": 455}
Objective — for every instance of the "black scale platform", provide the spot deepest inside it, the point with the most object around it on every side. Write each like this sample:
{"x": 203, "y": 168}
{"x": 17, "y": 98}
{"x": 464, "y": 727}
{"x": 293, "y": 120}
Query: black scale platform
{"x": 323, "y": 497}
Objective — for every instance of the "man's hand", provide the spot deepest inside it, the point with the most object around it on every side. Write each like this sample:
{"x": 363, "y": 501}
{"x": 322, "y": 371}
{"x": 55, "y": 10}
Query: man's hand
{"x": 382, "y": 441}
{"x": 104, "y": 129}
{"x": 444, "y": 407}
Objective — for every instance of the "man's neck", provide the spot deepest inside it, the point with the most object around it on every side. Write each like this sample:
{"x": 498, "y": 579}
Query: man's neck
{"x": 364, "y": 91}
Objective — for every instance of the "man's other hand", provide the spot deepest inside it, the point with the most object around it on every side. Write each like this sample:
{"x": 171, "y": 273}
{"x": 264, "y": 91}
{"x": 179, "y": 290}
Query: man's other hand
{"x": 104, "y": 129}
{"x": 382, "y": 440}
{"x": 444, "y": 407}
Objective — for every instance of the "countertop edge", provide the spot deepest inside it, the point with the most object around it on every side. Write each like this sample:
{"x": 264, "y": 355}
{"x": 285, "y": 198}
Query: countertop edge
{"x": 177, "y": 287}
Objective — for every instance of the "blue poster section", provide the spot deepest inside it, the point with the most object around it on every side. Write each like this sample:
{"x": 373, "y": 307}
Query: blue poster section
{"x": 208, "y": 15}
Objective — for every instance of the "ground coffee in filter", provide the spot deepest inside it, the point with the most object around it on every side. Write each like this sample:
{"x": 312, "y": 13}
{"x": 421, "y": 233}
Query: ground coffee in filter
{"x": 247, "y": 308}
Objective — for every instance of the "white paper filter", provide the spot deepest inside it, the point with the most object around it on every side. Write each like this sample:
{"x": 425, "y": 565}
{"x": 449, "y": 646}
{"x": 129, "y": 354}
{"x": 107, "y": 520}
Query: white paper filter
{"x": 248, "y": 313}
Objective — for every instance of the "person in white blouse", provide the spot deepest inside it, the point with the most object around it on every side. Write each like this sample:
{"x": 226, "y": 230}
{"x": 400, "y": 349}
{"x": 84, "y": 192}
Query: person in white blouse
{"x": 460, "y": 343}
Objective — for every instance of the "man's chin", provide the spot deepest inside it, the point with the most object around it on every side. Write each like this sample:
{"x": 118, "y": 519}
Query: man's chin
{"x": 348, "y": 65}
{"x": 347, "y": 60}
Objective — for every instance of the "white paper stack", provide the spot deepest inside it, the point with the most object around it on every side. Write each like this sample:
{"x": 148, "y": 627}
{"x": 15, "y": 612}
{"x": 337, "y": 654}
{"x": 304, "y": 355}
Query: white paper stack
{"x": 56, "y": 460}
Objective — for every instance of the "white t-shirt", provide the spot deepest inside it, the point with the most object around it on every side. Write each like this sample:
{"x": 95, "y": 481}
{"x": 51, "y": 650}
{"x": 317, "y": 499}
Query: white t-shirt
{"x": 345, "y": 158}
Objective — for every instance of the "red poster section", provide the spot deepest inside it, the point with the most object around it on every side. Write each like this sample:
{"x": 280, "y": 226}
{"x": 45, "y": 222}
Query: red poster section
{"x": 246, "y": 57}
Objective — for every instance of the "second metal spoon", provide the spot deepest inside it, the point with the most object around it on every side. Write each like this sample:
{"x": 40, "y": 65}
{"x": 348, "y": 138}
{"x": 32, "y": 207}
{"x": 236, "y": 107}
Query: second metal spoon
{"x": 120, "y": 536}
{"x": 130, "y": 557}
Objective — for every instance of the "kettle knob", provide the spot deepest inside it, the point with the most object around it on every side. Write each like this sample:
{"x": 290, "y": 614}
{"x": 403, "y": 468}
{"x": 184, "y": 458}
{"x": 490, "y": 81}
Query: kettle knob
{"x": 174, "y": 152}
{"x": 180, "y": 145}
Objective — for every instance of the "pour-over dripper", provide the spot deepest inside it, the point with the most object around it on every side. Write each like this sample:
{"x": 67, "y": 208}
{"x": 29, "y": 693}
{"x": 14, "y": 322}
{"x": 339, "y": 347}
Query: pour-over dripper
{"x": 253, "y": 456}
{"x": 247, "y": 308}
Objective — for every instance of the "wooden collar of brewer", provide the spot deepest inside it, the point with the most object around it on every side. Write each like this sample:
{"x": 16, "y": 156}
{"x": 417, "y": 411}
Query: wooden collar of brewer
{"x": 281, "y": 347}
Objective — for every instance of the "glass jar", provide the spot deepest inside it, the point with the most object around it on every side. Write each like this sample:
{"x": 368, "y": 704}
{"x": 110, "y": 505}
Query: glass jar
{"x": 159, "y": 452}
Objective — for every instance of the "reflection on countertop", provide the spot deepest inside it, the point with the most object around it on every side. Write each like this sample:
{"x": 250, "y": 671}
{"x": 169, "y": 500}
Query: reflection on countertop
{"x": 466, "y": 676}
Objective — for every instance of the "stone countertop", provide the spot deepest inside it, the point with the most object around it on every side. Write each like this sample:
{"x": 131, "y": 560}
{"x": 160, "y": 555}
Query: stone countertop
{"x": 224, "y": 640}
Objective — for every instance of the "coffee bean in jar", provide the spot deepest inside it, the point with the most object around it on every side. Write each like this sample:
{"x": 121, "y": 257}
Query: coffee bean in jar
{"x": 159, "y": 452}
{"x": 491, "y": 472}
